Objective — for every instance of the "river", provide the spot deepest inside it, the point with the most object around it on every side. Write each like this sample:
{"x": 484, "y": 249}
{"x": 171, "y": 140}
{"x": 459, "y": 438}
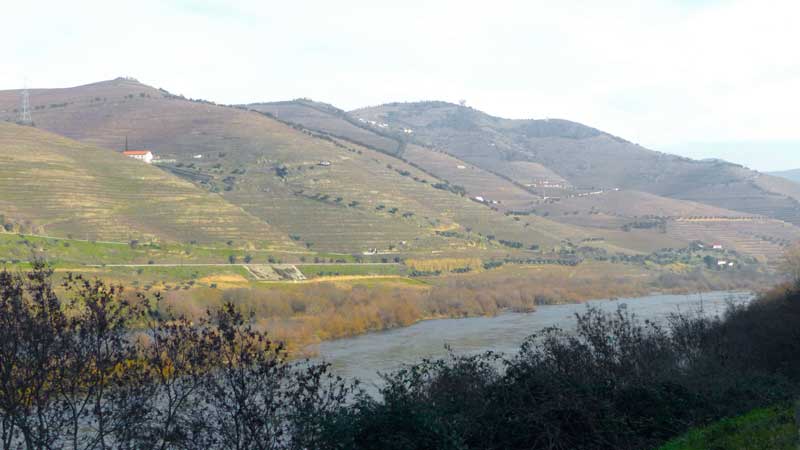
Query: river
{"x": 364, "y": 356}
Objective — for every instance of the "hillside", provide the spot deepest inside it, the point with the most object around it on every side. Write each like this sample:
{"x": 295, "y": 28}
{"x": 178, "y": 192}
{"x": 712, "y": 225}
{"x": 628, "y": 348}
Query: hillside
{"x": 587, "y": 158}
{"x": 329, "y": 194}
{"x": 333, "y": 122}
{"x": 426, "y": 177}
{"x": 53, "y": 185}
{"x": 525, "y": 188}
{"x": 791, "y": 175}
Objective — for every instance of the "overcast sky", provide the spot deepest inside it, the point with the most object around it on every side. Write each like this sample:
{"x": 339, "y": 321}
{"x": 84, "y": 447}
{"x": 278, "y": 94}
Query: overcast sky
{"x": 701, "y": 78}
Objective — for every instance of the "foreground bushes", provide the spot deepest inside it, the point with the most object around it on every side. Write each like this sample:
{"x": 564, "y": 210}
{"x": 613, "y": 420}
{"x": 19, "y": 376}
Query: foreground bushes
{"x": 615, "y": 383}
{"x": 99, "y": 369}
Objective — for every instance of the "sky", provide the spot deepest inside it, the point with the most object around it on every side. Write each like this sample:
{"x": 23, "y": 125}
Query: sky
{"x": 705, "y": 78}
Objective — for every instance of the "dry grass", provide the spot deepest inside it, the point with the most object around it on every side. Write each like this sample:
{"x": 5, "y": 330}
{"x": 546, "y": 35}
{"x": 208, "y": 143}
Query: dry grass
{"x": 53, "y": 185}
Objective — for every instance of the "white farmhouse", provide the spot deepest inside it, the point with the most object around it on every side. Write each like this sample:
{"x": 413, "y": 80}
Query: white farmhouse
{"x": 141, "y": 155}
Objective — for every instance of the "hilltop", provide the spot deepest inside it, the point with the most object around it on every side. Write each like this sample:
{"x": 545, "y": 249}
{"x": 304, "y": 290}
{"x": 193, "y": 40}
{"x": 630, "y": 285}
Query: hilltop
{"x": 586, "y": 157}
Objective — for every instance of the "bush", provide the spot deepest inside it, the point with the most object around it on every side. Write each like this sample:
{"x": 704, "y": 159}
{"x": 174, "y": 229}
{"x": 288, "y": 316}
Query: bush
{"x": 105, "y": 367}
{"x": 613, "y": 383}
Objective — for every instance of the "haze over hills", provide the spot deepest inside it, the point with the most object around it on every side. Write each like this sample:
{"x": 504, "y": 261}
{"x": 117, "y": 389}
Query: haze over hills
{"x": 792, "y": 175}
{"x": 428, "y": 176}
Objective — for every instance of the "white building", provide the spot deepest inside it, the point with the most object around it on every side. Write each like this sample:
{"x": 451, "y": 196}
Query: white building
{"x": 141, "y": 155}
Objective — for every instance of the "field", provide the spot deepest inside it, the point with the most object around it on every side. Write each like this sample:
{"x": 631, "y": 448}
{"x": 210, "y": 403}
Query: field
{"x": 340, "y": 270}
{"x": 75, "y": 252}
{"x": 772, "y": 428}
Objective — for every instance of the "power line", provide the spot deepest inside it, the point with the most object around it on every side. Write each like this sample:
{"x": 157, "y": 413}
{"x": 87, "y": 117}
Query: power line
{"x": 25, "y": 107}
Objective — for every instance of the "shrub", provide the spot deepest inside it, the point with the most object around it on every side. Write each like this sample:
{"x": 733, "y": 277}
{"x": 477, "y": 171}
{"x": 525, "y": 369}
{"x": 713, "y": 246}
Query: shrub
{"x": 105, "y": 367}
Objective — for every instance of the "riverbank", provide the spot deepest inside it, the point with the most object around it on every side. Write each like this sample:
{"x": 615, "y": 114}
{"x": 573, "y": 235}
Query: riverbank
{"x": 364, "y": 356}
{"x": 307, "y": 314}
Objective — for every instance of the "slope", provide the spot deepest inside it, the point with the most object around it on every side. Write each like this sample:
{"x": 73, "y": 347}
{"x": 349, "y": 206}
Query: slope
{"x": 587, "y": 158}
{"x": 475, "y": 181}
{"x": 54, "y": 185}
{"x": 327, "y": 193}
{"x": 791, "y": 175}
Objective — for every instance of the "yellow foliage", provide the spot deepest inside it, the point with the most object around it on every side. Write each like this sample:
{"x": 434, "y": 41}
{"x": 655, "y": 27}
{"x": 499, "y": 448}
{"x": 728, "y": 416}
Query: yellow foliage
{"x": 444, "y": 264}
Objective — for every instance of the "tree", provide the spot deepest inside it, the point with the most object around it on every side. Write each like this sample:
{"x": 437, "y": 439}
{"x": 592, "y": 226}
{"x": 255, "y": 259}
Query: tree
{"x": 101, "y": 369}
{"x": 790, "y": 264}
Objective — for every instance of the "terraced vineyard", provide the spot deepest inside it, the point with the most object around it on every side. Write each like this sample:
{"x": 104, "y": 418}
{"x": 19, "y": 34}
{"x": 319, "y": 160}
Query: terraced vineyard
{"x": 329, "y": 194}
{"x": 327, "y": 119}
{"x": 63, "y": 187}
{"x": 476, "y": 181}
{"x": 632, "y": 204}
{"x": 763, "y": 238}
{"x": 586, "y": 158}
{"x": 749, "y": 197}
{"x": 415, "y": 178}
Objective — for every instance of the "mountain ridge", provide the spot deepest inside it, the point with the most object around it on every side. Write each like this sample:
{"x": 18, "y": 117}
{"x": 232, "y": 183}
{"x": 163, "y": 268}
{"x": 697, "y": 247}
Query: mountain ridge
{"x": 299, "y": 164}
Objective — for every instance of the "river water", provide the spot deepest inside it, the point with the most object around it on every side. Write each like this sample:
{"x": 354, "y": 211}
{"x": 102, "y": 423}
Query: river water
{"x": 364, "y": 356}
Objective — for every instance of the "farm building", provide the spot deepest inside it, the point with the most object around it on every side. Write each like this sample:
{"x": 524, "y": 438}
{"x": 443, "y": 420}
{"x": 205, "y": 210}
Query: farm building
{"x": 142, "y": 155}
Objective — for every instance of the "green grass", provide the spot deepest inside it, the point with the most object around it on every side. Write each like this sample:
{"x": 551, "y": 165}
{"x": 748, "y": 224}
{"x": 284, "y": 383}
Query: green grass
{"x": 321, "y": 270}
{"x": 762, "y": 429}
{"x": 59, "y": 252}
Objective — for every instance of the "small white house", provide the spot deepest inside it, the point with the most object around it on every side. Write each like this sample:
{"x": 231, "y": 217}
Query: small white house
{"x": 141, "y": 155}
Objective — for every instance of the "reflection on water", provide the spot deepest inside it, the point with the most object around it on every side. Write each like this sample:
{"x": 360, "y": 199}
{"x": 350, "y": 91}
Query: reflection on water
{"x": 363, "y": 356}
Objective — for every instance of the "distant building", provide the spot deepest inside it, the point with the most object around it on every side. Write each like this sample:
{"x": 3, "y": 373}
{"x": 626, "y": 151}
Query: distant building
{"x": 324, "y": 163}
{"x": 142, "y": 155}
{"x": 717, "y": 247}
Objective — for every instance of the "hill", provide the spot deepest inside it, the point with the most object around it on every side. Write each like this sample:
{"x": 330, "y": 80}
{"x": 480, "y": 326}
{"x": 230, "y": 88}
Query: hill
{"x": 53, "y": 185}
{"x": 329, "y": 194}
{"x": 426, "y": 177}
{"x": 587, "y": 158}
{"x": 525, "y": 188}
{"x": 791, "y": 175}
